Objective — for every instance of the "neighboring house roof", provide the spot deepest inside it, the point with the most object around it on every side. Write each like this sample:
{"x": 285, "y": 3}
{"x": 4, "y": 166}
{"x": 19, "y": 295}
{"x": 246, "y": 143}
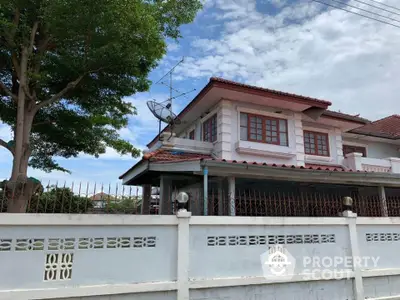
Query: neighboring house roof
{"x": 343, "y": 116}
{"x": 99, "y": 196}
{"x": 388, "y": 127}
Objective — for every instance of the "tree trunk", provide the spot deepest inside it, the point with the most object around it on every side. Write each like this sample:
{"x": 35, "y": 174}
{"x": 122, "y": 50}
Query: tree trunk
{"x": 20, "y": 188}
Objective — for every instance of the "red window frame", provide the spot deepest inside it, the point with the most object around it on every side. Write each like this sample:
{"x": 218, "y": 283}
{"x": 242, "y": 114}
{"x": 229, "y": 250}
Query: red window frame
{"x": 264, "y": 130}
{"x": 210, "y": 129}
{"x": 191, "y": 135}
{"x": 315, "y": 144}
{"x": 350, "y": 149}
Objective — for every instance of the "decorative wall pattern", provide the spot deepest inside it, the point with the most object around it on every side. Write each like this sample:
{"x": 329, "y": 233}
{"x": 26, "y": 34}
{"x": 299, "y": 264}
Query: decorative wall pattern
{"x": 58, "y": 266}
{"x": 85, "y": 243}
{"x": 382, "y": 237}
{"x": 255, "y": 240}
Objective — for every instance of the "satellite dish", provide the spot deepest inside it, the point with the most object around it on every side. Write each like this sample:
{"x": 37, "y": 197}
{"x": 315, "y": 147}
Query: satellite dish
{"x": 163, "y": 112}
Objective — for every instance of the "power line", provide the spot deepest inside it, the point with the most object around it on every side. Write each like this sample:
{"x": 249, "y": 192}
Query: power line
{"x": 355, "y": 13}
{"x": 389, "y": 11}
{"x": 383, "y": 4}
{"x": 365, "y": 10}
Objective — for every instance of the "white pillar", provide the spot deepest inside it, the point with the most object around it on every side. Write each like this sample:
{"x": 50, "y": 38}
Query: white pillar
{"x": 183, "y": 254}
{"x": 355, "y": 252}
{"x": 382, "y": 197}
{"x": 165, "y": 195}
{"x": 353, "y": 161}
{"x": 231, "y": 192}
{"x": 205, "y": 190}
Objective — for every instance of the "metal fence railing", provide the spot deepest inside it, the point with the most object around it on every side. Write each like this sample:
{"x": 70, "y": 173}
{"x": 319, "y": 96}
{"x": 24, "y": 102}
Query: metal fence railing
{"x": 55, "y": 197}
{"x": 118, "y": 199}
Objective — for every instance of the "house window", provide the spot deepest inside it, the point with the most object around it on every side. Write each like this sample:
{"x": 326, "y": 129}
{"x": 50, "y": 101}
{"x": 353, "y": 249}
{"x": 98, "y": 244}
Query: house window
{"x": 263, "y": 129}
{"x": 191, "y": 135}
{"x": 210, "y": 129}
{"x": 351, "y": 149}
{"x": 316, "y": 143}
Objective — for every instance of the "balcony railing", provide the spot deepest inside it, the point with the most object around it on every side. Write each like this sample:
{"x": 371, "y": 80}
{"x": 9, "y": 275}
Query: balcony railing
{"x": 355, "y": 161}
{"x": 169, "y": 142}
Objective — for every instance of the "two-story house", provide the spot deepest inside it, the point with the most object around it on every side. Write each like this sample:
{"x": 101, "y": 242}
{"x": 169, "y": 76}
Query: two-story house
{"x": 245, "y": 150}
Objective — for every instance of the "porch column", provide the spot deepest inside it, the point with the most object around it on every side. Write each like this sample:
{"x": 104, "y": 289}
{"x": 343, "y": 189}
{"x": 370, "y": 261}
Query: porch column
{"x": 221, "y": 195}
{"x": 165, "y": 195}
{"x": 382, "y": 197}
{"x": 205, "y": 190}
{"x": 231, "y": 192}
{"x": 146, "y": 196}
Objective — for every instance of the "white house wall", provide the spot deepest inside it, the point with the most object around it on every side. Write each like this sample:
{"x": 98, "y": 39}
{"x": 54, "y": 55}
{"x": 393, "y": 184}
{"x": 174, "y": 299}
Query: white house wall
{"x": 228, "y": 138}
{"x": 375, "y": 149}
{"x": 295, "y": 138}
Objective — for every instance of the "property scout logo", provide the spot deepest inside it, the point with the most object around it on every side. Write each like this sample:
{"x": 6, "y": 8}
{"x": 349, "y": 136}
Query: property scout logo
{"x": 278, "y": 264}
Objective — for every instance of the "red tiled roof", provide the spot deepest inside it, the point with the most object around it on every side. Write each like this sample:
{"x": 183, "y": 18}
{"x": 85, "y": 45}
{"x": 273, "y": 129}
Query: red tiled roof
{"x": 217, "y": 79}
{"x": 166, "y": 156}
{"x": 306, "y": 167}
{"x": 388, "y": 127}
{"x": 173, "y": 156}
{"x": 324, "y": 167}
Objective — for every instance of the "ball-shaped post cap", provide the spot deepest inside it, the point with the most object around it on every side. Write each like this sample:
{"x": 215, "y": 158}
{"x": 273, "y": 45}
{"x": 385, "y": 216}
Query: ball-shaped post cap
{"x": 182, "y": 197}
{"x": 347, "y": 201}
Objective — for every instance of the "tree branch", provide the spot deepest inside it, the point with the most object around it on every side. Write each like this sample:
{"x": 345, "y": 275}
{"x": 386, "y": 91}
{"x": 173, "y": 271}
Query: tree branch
{"x": 33, "y": 35}
{"x": 16, "y": 65}
{"x": 7, "y": 91}
{"x": 5, "y": 145}
{"x": 70, "y": 86}
{"x": 30, "y": 97}
{"x": 60, "y": 94}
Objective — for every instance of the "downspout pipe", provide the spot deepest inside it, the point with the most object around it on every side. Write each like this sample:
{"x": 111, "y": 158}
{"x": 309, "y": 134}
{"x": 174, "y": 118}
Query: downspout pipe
{"x": 205, "y": 189}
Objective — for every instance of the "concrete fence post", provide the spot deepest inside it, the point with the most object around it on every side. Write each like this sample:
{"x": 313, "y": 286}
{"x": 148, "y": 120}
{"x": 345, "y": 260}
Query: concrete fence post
{"x": 183, "y": 254}
{"x": 355, "y": 253}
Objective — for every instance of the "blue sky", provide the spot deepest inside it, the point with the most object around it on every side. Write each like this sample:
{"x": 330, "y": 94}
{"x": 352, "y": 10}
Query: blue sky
{"x": 291, "y": 45}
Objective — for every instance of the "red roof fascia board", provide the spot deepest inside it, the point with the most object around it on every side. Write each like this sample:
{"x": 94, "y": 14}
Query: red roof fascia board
{"x": 388, "y": 127}
{"x": 269, "y": 92}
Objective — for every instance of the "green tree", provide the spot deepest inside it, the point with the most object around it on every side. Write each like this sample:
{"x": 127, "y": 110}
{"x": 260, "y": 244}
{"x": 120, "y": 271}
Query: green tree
{"x": 65, "y": 66}
{"x": 123, "y": 205}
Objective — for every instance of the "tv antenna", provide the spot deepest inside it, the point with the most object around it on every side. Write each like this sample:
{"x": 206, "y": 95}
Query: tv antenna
{"x": 163, "y": 110}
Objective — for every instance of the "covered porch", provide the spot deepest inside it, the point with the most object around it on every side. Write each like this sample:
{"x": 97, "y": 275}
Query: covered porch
{"x": 230, "y": 188}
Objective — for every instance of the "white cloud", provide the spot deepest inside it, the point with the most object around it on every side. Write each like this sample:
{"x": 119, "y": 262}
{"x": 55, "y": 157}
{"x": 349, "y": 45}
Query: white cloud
{"x": 305, "y": 49}
{"x": 5, "y": 132}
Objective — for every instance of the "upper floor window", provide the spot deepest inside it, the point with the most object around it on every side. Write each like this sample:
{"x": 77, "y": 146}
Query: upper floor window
{"x": 351, "y": 149}
{"x": 191, "y": 135}
{"x": 210, "y": 129}
{"x": 316, "y": 143}
{"x": 263, "y": 129}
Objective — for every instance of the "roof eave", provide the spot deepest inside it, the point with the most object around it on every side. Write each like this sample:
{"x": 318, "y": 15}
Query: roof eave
{"x": 301, "y": 175}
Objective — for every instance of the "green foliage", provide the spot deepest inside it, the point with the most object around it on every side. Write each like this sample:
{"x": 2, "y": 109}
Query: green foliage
{"x": 59, "y": 200}
{"x": 126, "y": 205}
{"x": 56, "y": 200}
{"x": 112, "y": 45}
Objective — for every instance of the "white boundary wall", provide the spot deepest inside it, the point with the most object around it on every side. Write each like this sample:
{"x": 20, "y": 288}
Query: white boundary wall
{"x": 183, "y": 257}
